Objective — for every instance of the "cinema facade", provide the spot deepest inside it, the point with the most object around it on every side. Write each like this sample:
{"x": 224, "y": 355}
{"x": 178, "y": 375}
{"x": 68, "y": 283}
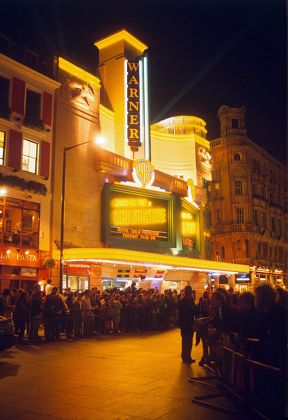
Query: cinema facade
{"x": 136, "y": 206}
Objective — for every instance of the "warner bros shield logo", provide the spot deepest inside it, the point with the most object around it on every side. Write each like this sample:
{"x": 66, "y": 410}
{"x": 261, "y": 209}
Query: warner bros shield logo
{"x": 143, "y": 172}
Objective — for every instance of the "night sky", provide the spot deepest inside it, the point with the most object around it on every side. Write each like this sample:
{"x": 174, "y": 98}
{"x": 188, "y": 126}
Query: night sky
{"x": 203, "y": 53}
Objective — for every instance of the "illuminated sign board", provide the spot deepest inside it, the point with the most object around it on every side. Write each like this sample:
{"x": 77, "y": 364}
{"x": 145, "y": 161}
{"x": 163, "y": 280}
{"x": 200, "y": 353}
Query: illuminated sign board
{"x": 189, "y": 218}
{"x": 19, "y": 257}
{"x": 133, "y": 104}
{"x": 137, "y": 125}
{"x": 137, "y": 216}
{"x": 243, "y": 278}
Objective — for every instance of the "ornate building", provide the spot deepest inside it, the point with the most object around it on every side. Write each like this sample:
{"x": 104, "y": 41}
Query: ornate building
{"x": 249, "y": 202}
{"x": 26, "y": 137}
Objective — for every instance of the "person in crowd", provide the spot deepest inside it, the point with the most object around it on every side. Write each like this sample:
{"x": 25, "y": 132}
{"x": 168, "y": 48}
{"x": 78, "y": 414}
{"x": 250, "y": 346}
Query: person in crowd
{"x": 53, "y": 310}
{"x": 77, "y": 314}
{"x": 6, "y": 306}
{"x": 48, "y": 287}
{"x": 282, "y": 297}
{"x": 187, "y": 311}
{"x": 36, "y": 309}
{"x": 116, "y": 307}
{"x": 69, "y": 315}
{"x": 14, "y": 294}
{"x": 248, "y": 315}
{"x": 21, "y": 314}
{"x": 271, "y": 326}
{"x": 226, "y": 316}
{"x": 87, "y": 314}
{"x": 204, "y": 314}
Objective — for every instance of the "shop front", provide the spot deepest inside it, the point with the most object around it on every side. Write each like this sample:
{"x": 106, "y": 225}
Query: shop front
{"x": 18, "y": 267}
{"x": 110, "y": 267}
{"x": 19, "y": 243}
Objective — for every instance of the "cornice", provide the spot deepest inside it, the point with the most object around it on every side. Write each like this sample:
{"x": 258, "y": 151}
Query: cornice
{"x": 27, "y": 72}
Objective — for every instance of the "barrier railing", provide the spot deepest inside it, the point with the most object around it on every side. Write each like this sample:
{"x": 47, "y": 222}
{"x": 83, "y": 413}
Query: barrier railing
{"x": 255, "y": 386}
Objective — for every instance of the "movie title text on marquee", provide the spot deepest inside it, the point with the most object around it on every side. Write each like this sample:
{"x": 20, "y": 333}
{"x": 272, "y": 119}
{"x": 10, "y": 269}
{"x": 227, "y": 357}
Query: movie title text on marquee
{"x": 138, "y": 218}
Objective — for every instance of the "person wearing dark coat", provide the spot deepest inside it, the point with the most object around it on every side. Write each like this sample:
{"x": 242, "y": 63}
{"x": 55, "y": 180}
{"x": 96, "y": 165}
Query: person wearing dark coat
{"x": 248, "y": 315}
{"x": 20, "y": 314}
{"x": 227, "y": 317}
{"x": 187, "y": 311}
{"x": 53, "y": 310}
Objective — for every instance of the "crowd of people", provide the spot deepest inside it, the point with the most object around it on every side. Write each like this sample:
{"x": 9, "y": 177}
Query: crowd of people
{"x": 261, "y": 315}
{"x": 92, "y": 312}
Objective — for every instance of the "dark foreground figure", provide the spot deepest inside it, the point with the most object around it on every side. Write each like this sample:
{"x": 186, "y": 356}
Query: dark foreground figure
{"x": 187, "y": 312}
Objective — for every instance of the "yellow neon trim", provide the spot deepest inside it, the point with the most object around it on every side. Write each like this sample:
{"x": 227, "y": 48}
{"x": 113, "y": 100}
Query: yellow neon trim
{"x": 78, "y": 72}
{"x": 153, "y": 258}
{"x": 107, "y": 112}
{"x": 122, "y": 35}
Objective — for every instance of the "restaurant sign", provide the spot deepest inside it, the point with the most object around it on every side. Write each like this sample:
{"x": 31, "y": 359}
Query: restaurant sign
{"x": 21, "y": 258}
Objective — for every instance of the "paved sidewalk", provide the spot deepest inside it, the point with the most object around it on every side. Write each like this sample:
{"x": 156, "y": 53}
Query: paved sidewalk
{"x": 115, "y": 377}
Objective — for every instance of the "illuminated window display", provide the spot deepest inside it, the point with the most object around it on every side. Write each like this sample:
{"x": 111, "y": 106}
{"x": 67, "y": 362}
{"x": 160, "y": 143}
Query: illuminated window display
{"x": 19, "y": 223}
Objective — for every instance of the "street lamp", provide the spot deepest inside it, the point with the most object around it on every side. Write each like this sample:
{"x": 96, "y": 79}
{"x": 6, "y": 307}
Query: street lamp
{"x": 100, "y": 141}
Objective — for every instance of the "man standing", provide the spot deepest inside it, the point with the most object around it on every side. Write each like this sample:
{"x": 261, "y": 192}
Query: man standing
{"x": 187, "y": 311}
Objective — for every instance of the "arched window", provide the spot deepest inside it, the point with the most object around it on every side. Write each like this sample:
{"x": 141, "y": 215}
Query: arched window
{"x": 237, "y": 156}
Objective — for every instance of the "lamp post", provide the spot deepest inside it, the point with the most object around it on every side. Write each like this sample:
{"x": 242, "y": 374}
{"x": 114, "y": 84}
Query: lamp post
{"x": 99, "y": 140}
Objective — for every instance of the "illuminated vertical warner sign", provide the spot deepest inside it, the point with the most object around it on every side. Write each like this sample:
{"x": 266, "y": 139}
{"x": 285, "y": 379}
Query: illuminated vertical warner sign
{"x": 137, "y": 125}
{"x": 133, "y": 105}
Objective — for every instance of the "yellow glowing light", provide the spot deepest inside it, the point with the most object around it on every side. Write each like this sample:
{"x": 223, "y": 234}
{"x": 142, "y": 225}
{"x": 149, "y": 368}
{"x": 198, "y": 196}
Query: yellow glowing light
{"x": 136, "y": 217}
{"x": 122, "y": 35}
{"x": 121, "y": 256}
{"x": 186, "y": 216}
{"x": 100, "y": 140}
{"x": 130, "y": 202}
{"x": 188, "y": 228}
{"x": 8, "y": 251}
{"x": 3, "y": 191}
{"x": 79, "y": 73}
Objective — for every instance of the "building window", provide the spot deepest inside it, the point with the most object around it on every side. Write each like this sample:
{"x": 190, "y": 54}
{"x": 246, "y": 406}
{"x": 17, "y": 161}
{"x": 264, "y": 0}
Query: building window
{"x": 256, "y": 219}
{"x": 262, "y": 192}
{"x": 30, "y": 156}
{"x": 4, "y": 97}
{"x": 256, "y": 166}
{"x": 279, "y": 230}
{"x": 2, "y": 146}
{"x": 218, "y": 217}
{"x": 247, "y": 247}
{"x": 239, "y": 214}
{"x": 271, "y": 197}
{"x": 19, "y": 223}
{"x": 33, "y": 107}
{"x": 217, "y": 189}
{"x": 237, "y": 156}
{"x": 273, "y": 224}
{"x": 238, "y": 188}
{"x": 235, "y": 123}
{"x": 263, "y": 219}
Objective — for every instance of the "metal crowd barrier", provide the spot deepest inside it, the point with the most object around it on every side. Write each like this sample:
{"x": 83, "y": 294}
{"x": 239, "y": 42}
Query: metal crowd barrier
{"x": 256, "y": 387}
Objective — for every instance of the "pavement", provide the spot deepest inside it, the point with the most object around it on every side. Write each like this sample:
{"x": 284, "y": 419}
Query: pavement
{"x": 120, "y": 377}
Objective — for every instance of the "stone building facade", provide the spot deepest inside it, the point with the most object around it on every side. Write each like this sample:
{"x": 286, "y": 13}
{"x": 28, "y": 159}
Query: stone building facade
{"x": 249, "y": 202}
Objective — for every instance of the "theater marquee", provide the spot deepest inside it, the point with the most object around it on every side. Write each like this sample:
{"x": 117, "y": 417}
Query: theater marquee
{"x": 133, "y": 216}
